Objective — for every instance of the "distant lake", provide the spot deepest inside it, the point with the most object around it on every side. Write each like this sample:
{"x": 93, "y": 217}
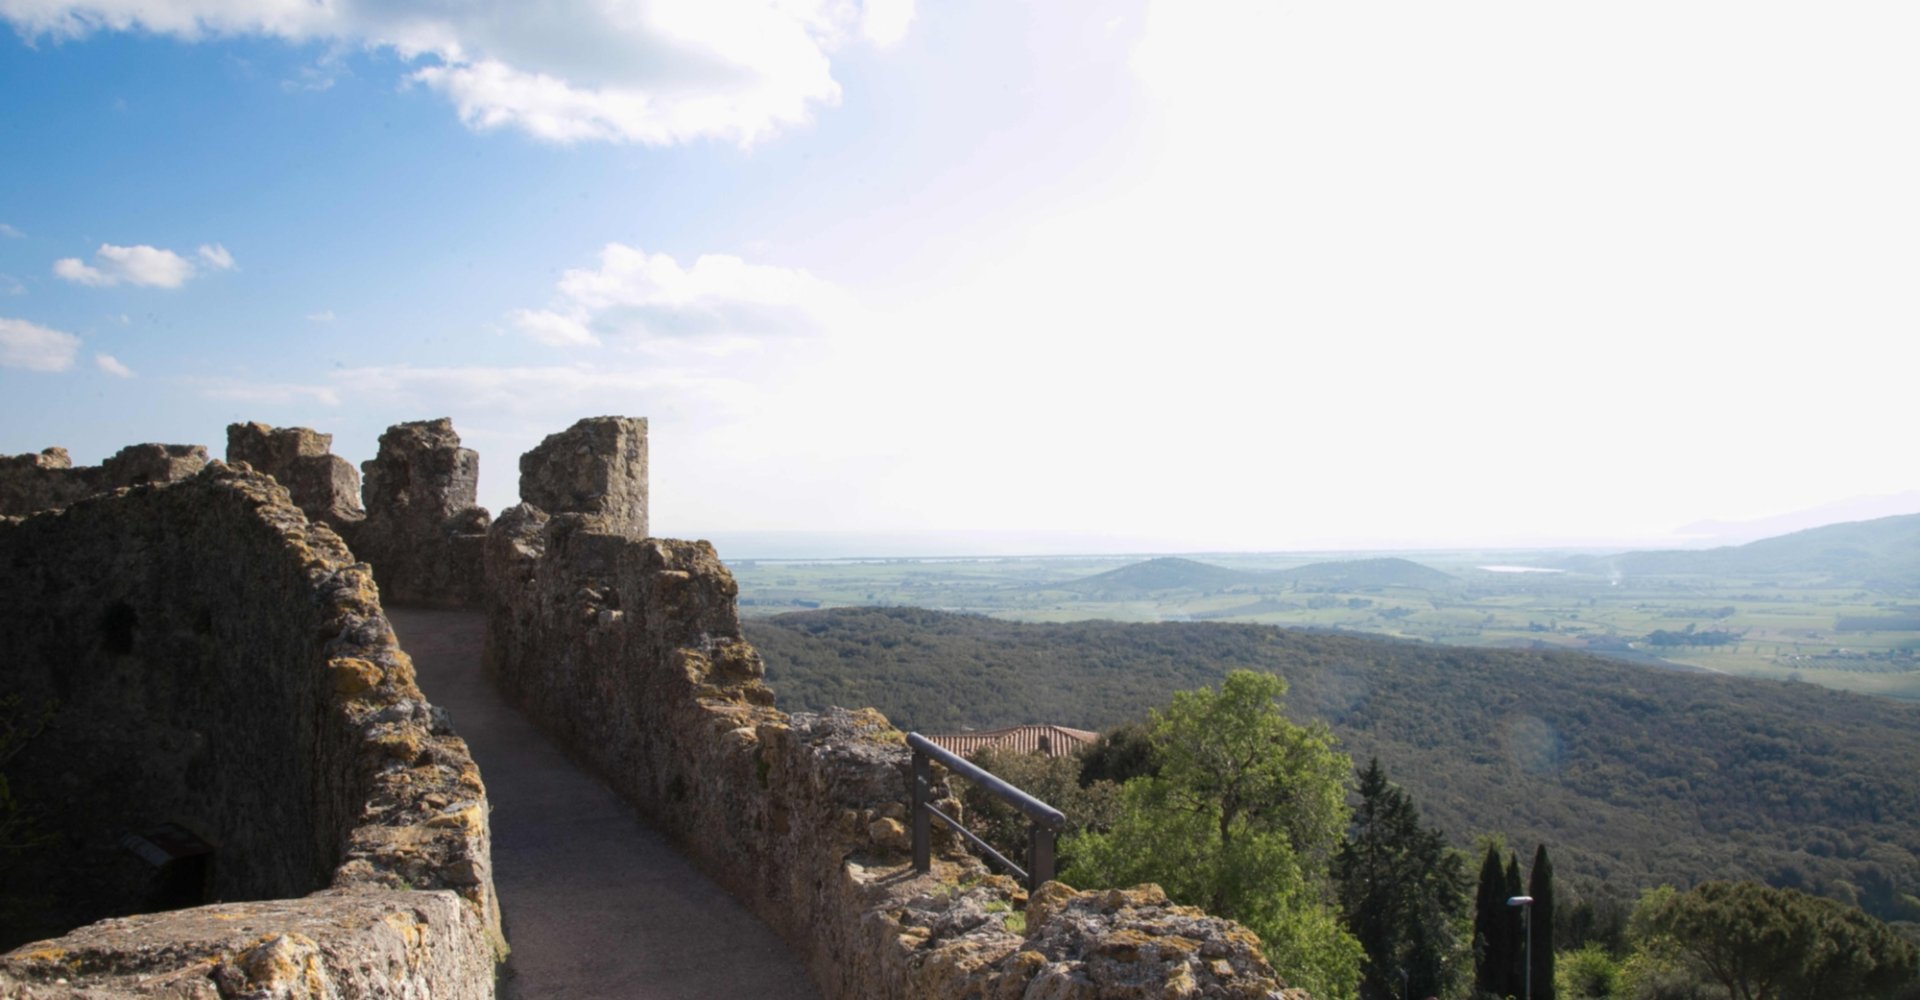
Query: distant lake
{"x": 1520, "y": 569}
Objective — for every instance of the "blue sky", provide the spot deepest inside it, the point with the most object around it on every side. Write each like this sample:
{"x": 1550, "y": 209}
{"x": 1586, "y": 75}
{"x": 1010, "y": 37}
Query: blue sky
{"x": 1135, "y": 275}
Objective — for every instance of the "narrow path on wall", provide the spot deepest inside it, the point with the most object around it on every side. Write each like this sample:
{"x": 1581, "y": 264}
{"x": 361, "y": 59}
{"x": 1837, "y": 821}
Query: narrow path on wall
{"x": 596, "y": 904}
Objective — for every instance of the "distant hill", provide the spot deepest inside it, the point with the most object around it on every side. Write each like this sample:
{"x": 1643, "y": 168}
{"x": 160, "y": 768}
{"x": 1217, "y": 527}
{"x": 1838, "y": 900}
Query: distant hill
{"x": 1171, "y": 573}
{"x": 1884, "y": 552}
{"x": 1165, "y": 573}
{"x": 1351, "y": 573}
{"x": 1635, "y": 776}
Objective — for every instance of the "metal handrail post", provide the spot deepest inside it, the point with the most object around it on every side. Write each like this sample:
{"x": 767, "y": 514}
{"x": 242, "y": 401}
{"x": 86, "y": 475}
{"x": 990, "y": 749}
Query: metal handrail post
{"x": 922, "y": 823}
{"x": 1040, "y": 856}
{"x": 1044, "y": 825}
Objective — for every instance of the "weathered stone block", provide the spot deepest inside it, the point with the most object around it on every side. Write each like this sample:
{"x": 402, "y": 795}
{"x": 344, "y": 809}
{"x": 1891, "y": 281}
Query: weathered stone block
{"x": 329, "y": 946}
{"x": 422, "y": 533}
{"x": 322, "y": 484}
{"x": 597, "y": 467}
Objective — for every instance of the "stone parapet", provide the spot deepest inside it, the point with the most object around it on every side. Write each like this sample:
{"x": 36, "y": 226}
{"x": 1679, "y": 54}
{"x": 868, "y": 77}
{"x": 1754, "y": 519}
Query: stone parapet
{"x": 329, "y": 945}
{"x": 628, "y": 652}
{"x": 598, "y": 468}
{"x": 423, "y": 532}
{"x": 49, "y": 480}
{"x": 322, "y": 484}
{"x": 210, "y": 662}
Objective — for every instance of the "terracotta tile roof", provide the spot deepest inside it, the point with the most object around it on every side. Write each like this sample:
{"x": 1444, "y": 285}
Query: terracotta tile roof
{"x": 1054, "y": 741}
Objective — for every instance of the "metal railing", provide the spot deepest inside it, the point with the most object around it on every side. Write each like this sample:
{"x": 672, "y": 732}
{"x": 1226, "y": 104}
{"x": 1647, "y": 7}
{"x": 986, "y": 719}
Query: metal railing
{"x": 1045, "y": 826}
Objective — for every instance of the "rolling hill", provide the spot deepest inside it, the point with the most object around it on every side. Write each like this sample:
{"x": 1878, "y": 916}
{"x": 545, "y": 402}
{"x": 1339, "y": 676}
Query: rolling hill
{"x": 1883, "y": 553}
{"x": 1634, "y": 776}
{"x": 1159, "y": 575}
{"x": 1169, "y": 574}
{"x": 1356, "y": 573}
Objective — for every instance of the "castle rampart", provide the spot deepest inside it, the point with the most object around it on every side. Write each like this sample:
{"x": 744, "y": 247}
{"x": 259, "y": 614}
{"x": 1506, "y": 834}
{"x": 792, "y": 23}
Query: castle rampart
{"x": 228, "y": 719}
{"x": 628, "y": 651}
{"x": 424, "y": 533}
{"x": 219, "y": 651}
{"x": 49, "y": 480}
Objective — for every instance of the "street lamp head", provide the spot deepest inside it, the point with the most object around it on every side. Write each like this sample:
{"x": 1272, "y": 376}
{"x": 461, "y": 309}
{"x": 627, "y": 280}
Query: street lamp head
{"x": 1520, "y": 901}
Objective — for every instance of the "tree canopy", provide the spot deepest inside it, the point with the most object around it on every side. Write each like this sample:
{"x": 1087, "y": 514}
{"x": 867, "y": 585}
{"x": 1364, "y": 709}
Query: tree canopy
{"x": 1761, "y": 943}
{"x": 1242, "y": 818}
{"x": 1401, "y": 890}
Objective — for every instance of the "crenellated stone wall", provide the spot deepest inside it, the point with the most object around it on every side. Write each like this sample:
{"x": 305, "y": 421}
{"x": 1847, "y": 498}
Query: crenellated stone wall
{"x": 215, "y": 672}
{"x": 323, "y": 485}
{"x": 628, "y": 651}
{"x": 49, "y": 480}
{"x": 423, "y": 532}
{"x": 597, "y": 467}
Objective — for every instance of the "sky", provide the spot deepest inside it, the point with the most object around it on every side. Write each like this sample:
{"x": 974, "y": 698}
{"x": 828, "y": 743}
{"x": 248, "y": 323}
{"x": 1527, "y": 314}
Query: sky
{"x": 1017, "y": 275}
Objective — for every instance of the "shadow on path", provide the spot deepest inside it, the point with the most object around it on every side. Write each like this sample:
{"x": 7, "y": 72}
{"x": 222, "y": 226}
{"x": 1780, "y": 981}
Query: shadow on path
{"x": 595, "y": 903}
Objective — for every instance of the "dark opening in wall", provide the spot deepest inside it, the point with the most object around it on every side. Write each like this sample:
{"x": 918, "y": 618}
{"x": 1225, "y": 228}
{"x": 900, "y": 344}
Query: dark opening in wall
{"x": 116, "y": 628}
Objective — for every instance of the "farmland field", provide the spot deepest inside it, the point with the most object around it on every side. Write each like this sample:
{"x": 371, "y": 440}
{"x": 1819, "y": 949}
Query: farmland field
{"x": 1790, "y": 627}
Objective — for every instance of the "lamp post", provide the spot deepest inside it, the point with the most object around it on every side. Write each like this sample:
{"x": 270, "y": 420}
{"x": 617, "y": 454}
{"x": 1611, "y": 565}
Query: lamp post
{"x": 1525, "y": 903}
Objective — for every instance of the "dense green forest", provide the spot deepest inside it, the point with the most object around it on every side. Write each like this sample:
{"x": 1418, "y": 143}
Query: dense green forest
{"x": 1636, "y": 776}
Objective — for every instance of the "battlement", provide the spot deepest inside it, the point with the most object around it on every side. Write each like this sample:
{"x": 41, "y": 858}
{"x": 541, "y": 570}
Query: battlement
{"x": 219, "y": 713}
{"x": 252, "y": 652}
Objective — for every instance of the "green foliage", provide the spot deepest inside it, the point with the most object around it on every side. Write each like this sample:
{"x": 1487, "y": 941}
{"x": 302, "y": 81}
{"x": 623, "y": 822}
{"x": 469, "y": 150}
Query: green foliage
{"x": 1587, "y": 974}
{"x": 1402, "y": 892}
{"x": 1241, "y": 818}
{"x": 1540, "y": 887}
{"x": 1053, "y": 780}
{"x": 1120, "y": 754}
{"x": 1754, "y": 941}
{"x": 1636, "y": 776}
{"x": 1492, "y": 941}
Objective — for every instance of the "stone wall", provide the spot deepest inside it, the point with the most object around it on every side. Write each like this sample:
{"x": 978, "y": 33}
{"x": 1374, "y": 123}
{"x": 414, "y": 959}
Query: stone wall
{"x": 597, "y": 467}
{"x": 423, "y": 533}
{"x": 218, "y": 666}
{"x": 628, "y": 651}
{"x": 50, "y": 480}
{"x": 323, "y": 485}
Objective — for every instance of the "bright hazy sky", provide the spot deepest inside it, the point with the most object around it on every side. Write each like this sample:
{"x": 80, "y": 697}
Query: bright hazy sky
{"x": 1175, "y": 275}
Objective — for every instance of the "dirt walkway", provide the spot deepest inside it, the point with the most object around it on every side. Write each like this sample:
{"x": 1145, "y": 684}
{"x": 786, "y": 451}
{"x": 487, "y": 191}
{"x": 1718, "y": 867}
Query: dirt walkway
{"x": 596, "y": 904}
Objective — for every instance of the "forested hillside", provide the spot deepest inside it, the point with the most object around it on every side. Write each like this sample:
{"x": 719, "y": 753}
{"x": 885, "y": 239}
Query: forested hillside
{"x": 1635, "y": 776}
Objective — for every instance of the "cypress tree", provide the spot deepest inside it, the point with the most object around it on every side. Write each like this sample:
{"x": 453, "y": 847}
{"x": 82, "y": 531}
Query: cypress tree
{"x": 1490, "y": 954}
{"x": 1540, "y": 887}
{"x": 1401, "y": 889}
{"x": 1514, "y": 973}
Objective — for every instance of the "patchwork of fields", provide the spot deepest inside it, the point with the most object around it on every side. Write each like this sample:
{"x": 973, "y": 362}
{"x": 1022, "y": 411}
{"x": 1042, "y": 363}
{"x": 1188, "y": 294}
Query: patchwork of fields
{"x": 1782, "y": 626}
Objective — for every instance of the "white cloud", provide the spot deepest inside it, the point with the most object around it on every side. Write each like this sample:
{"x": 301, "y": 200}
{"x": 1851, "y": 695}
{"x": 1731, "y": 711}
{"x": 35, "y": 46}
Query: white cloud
{"x": 884, "y": 22}
{"x": 137, "y": 265}
{"x": 323, "y": 316}
{"x": 720, "y": 304}
{"x": 112, "y": 366}
{"x": 10, "y": 232}
{"x": 270, "y": 392}
{"x": 659, "y": 73}
{"x": 35, "y": 347}
{"x": 216, "y": 256}
{"x": 11, "y": 285}
{"x": 553, "y": 329}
